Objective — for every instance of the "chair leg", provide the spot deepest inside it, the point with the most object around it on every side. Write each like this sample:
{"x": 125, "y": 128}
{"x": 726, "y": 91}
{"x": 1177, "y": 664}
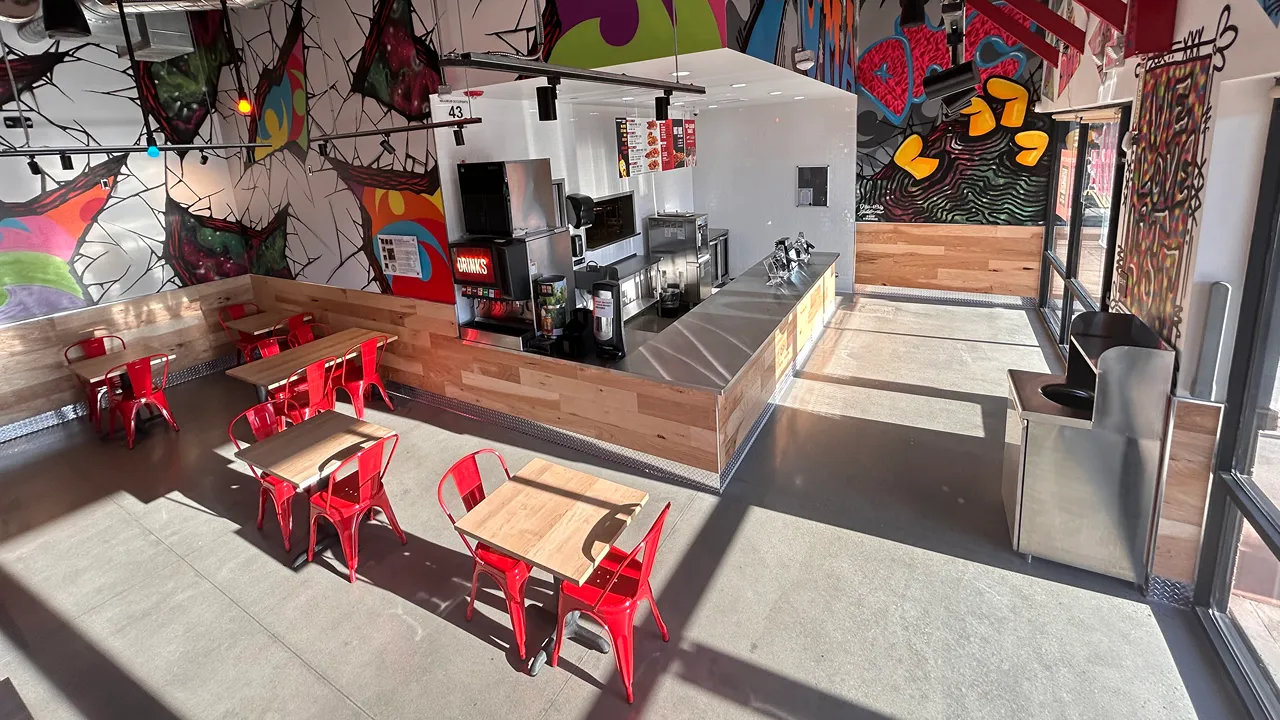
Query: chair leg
{"x": 311, "y": 544}
{"x": 515, "y": 608}
{"x": 384, "y": 504}
{"x": 262, "y": 503}
{"x": 555, "y": 649}
{"x": 131, "y": 423}
{"x": 377, "y": 382}
{"x": 653, "y": 606}
{"x": 162, "y": 402}
{"x": 623, "y": 652}
{"x": 348, "y": 537}
{"x": 284, "y": 514}
{"x": 475, "y": 583}
{"x": 357, "y": 399}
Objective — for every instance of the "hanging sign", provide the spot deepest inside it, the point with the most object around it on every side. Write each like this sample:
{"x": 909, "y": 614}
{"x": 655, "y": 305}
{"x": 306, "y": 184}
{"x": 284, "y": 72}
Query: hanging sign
{"x": 639, "y": 146}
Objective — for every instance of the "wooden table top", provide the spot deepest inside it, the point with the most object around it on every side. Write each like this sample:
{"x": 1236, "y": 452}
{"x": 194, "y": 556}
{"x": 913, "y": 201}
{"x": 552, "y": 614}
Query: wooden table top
{"x": 554, "y": 518}
{"x": 95, "y": 369}
{"x": 271, "y": 371}
{"x": 302, "y": 453}
{"x": 263, "y": 322}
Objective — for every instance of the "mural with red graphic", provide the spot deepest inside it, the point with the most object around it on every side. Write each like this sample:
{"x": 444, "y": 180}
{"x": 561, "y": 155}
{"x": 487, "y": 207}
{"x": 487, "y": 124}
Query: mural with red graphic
{"x": 987, "y": 166}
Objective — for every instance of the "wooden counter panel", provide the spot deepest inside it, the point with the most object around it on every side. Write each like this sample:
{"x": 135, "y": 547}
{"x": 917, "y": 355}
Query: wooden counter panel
{"x": 182, "y": 322}
{"x": 748, "y": 395}
{"x": 1001, "y": 260}
{"x": 1192, "y": 443}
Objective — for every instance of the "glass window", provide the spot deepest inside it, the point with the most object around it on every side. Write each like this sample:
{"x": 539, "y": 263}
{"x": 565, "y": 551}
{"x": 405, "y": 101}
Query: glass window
{"x": 1255, "y": 598}
{"x": 1258, "y": 454}
{"x": 1064, "y": 203}
{"x": 1095, "y": 205}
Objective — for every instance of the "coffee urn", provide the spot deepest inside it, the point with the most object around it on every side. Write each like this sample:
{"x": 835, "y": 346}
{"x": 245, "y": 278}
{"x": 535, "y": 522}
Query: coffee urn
{"x": 606, "y": 301}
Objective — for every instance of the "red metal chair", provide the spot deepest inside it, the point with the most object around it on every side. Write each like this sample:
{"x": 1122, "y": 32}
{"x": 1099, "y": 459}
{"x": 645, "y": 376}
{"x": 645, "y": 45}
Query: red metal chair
{"x": 243, "y": 341}
{"x": 370, "y": 352}
{"x": 509, "y": 573}
{"x": 264, "y": 422}
{"x": 351, "y": 494}
{"x": 91, "y": 348}
{"x": 143, "y": 390}
{"x": 306, "y": 333}
{"x": 612, "y": 595}
{"x": 286, "y": 327}
{"x": 264, "y": 348}
{"x": 309, "y": 389}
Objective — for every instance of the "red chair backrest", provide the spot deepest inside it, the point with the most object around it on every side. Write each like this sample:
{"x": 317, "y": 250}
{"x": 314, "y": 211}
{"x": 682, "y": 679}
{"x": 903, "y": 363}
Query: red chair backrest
{"x": 263, "y": 421}
{"x": 237, "y": 311}
{"x": 265, "y": 348}
{"x": 141, "y": 377}
{"x": 468, "y": 483}
{"x": 316, "y": 378}
{"x": 370, "y": 352}
{"x": 93, "y": 347}
{"x": 650, "y": 546}
{"x": 370, "y": 465}
{"x": 305, "y": 333}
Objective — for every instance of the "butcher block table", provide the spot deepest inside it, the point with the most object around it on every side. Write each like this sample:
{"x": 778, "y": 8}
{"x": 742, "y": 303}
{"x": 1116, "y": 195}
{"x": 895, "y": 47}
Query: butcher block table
{"x": 263, "y": 322}
{"x": 559, "y": 520}
{"x": 269, "y": 372}
{"x": 301, "y": 454}
{"x": 95, "y": 369}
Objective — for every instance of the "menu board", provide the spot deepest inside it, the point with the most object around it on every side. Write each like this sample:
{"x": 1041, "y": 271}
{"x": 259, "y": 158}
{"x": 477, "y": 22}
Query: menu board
{"x": 639, "y": 146}
{"x": 651, "y": 145}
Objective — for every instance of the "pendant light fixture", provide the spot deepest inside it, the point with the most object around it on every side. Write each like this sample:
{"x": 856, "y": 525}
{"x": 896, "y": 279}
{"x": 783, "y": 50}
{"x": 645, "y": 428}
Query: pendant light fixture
{"x": 244, "y": 105}
{"x": 153, "y": 150}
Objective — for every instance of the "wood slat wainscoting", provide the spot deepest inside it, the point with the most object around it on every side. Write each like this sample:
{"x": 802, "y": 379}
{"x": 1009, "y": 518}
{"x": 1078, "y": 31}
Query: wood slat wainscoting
{"x": 668, "y": 421}
{"x": 1193, "y": 440}
{"x": 999, "y": 260}
{"x": 182, "y": 322}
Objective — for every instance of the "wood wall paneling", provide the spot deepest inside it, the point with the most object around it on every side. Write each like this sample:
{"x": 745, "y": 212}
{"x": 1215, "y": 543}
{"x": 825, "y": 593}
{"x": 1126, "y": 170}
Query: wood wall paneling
{"x": 1192, "y": 443}
{"x": 183, "y": 322}
{"x": 1000, "y": 260}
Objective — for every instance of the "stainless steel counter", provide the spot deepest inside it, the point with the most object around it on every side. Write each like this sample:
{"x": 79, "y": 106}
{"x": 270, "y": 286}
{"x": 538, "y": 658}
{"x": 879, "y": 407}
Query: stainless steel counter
{"x": 710, "y": 345}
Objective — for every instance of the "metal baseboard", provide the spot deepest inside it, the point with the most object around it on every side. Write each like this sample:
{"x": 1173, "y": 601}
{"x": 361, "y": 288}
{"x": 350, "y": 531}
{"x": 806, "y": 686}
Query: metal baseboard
{"x": 644, "y": 462}
{"x": 947, "y": 297}
{"x": 66, "y": 413}
{"x": 1169, "y": 592}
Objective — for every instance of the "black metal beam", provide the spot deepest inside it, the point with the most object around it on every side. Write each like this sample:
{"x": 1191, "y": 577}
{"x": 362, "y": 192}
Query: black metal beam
{"x": 519, "y": 66}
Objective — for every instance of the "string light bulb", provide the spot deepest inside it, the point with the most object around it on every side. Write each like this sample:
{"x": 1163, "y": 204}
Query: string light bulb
{"x": 243, "y": 106}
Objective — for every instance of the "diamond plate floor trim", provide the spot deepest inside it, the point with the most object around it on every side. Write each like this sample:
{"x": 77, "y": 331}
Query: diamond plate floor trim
{"x": 946, "y": 296}
{"x": 1170, "y": 592}
{"x": 44, "y": 420}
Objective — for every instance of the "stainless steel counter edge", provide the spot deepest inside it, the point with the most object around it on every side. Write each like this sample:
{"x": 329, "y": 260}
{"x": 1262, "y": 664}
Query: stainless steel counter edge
{"x": 709, "y": 346}
{"x": 1024, "y": 387}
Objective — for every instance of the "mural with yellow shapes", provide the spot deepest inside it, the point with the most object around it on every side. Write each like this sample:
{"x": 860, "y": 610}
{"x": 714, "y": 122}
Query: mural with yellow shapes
{"x": 280, "y": 100}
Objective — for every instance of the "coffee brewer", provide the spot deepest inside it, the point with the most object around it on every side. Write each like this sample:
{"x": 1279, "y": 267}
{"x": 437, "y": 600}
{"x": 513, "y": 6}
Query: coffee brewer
{"x": 606, "y": 303}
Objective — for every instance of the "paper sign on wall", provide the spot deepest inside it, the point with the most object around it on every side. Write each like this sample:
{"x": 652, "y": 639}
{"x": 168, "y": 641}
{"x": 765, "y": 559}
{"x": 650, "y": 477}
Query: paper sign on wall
{"x": 399, "y": 254}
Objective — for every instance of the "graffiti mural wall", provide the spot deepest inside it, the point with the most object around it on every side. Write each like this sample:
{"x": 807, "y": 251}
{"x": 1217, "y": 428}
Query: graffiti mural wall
{"x": 985, "y": 167}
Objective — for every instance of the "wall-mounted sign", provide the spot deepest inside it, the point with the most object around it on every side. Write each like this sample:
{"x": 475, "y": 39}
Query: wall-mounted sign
{"x": 473, "y": 265}
{"x": 399, "y": 255}
{"x": 639, "y": 146}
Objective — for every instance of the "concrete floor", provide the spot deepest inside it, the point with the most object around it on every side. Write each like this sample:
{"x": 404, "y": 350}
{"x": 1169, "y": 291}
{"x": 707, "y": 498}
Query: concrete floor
{"x": 856, "y": 567}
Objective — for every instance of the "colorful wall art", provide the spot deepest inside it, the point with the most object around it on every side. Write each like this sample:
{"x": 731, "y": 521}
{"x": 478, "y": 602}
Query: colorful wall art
{"x": 397, "y": 68}
{"x": 181, "y": 93}
{"x": 987, "y": 166}
{"x": 203, "y": 249}
{"x": 393, "y": 202}
{"x": 39, "y": 238}
{"x": 773, "y": 30}
{"x": 280, "y": 97}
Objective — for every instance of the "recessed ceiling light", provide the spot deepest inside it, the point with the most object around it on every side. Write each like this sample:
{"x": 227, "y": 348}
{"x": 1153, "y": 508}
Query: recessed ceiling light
{"x": 627, "y": 99}
{"x": 798, "y": 97}
{"x": 680, "y": 73}
{"x": 742, "y": 99}
{"x": 738, "y": 85}
{"x": 677, "y": 103}
{"x": 595, "y": 113}
{"x": 712, "y": 106}
{"x": 776, "y": 92}
{"x": 534, "y": 110}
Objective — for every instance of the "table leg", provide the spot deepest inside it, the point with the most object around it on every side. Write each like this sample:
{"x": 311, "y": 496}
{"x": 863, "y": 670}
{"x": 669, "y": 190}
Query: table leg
{"x": 262, "y": 393}
{"x": 573, "y": 630}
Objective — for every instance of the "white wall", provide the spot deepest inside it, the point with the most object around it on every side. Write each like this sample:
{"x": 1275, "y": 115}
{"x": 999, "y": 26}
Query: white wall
{"x": 1242, "y": 112}
{"x": 746, "y": 177}
{"x": 583, "y": 149}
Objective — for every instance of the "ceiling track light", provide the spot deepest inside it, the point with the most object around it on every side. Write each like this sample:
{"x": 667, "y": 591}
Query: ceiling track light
{"x": 33, "y": 166}
{"x": 204, "y": 158}
{"x": 804, "y": 60}
{"x": 323, "y": 149}
{"x": 547, "y": 100}
{"x": 387, "y": 146}
{"x": 65, "y": 159}
{"x": 458, "y": 139}
{"x": 911, "y": 14}
{"x": 662, "y": 106}
{"x": 64, "y": 19}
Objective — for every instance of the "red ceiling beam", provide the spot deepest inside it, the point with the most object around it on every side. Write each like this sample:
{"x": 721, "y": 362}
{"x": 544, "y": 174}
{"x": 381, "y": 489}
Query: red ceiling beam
{"x": 1111, "y": 12}
{"x": 1062, "y": 28}
{"x": 1020, "y": 32}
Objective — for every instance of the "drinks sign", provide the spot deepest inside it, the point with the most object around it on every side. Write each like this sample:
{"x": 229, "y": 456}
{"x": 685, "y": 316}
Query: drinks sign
{"x": 473, "y": 265}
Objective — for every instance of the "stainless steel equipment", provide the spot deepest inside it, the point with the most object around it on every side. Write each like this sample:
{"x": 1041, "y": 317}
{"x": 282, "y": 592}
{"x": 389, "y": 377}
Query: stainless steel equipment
{"x": 606, "y": 303}
{"x": 720, "y": 253}
{"x": 511, "y": 198}
{"x": 678, "y": 232}
{"x": 1083, "y": 451}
